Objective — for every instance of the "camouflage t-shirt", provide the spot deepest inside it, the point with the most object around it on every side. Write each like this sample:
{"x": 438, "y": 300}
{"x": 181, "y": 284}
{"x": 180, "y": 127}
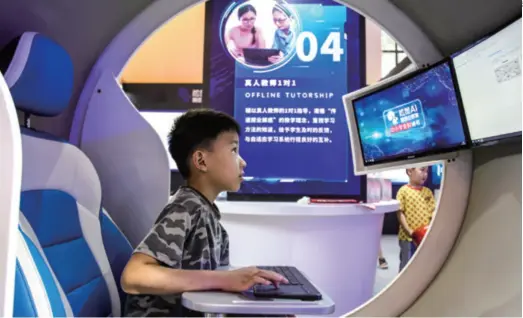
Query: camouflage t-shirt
{"x": 186, "y": 235}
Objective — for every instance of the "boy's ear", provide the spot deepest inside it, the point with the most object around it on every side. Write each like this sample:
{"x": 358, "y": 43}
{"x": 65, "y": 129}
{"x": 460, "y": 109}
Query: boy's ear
{"x": 198, "y": 160}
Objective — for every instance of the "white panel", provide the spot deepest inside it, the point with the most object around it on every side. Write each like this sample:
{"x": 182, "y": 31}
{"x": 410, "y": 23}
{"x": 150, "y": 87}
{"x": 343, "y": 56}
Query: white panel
{"x": 129, "y": 157}
{"x": 28, "y": 230}
{"x": 482, "y": 277}
{"x": 60, "y": 166}
{"x": 10, "y": 184}
{"x": 92, "y": 232}
{"x": 36, "y": 286}
{"x": 273, "y": 209}
{"x": 417, "y": 276}
{"x": 162, "y": 122}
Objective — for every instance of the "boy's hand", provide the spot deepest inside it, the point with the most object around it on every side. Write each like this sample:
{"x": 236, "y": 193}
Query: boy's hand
{"x": 245, "y": 278}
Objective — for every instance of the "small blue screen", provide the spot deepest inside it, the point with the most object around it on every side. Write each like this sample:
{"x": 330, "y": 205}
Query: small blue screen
{"x": 414, "y": 117}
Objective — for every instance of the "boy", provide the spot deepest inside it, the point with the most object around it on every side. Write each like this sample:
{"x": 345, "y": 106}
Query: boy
{"x": 187, "y": 242}
{"x": 417, "y": 204}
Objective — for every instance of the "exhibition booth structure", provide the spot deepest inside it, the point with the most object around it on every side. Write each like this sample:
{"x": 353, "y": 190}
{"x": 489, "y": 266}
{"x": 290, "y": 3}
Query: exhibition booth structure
{"x": 316, "y": 141}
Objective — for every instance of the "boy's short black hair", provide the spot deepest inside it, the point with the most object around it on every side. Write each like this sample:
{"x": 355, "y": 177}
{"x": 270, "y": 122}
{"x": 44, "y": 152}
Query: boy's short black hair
{"x": 197, "y": 128}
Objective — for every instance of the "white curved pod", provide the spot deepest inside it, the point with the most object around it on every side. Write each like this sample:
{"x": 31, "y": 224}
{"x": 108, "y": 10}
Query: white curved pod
{"x": 417, "y": 276}
{"x": 482, "y": 276}
{"x": 400, "y": 295}
{"x": 10, "y": 187}
{"x": 129, "y": 157}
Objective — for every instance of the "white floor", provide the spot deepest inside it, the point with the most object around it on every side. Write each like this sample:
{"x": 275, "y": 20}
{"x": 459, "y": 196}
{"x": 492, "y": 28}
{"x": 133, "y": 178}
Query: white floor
{"x": 390, "y": 248}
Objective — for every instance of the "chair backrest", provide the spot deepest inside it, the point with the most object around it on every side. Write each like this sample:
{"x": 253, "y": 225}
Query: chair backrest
{"x": 61, "y": 192}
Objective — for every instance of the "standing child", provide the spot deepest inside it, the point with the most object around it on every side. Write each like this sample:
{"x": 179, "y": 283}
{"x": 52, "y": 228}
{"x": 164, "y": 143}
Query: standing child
{"x": 417, "y": 204}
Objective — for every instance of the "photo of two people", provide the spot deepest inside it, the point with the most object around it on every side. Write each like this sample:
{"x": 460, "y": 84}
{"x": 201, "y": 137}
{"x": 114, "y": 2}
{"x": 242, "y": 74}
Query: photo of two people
{"x": 260, "y": 33}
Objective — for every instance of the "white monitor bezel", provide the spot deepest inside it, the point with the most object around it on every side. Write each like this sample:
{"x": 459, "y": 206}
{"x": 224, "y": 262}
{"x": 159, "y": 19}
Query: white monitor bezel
{"x": 357, "y": 156}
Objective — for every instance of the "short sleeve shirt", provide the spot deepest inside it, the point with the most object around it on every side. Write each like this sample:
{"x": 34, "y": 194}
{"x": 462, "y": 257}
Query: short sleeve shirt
{"x": 187, "y": 235}
{"x": 417, "y": 205}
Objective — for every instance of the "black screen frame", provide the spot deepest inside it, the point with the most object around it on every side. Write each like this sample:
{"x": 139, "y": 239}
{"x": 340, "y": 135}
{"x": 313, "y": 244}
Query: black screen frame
{"x": 426, "y": 153}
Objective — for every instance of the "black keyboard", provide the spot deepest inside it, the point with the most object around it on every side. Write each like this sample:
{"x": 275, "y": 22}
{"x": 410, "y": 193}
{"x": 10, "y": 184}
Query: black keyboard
{"x": 298, "y": 287}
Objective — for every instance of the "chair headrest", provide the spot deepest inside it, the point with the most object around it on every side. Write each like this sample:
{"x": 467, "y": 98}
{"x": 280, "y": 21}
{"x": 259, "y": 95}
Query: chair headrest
{"x": 39, "y": 73}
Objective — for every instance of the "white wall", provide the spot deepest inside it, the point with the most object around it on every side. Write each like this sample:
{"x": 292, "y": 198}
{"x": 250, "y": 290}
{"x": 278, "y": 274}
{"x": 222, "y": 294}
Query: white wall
{"x": 482, "y": 276}
{"x": 129, "y": 157}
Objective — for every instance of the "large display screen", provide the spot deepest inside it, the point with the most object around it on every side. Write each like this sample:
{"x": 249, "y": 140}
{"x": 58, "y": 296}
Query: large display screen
{"x": 415, "y": 116}
{"x": 489, "y": 79}
{"x": 281, "y": 68}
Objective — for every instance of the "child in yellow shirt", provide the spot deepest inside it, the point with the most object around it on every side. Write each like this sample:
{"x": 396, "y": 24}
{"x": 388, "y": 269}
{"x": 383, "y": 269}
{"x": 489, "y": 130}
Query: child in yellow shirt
{"x": 417, "y": 204}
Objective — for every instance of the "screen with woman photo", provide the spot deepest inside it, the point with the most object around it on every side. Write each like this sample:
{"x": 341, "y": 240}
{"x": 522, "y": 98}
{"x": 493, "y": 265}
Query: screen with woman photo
{"x": 261, "y": 34}
{"x": 281, "y": 68}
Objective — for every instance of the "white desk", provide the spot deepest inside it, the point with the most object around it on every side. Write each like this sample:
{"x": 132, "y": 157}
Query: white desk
{"x": 335, "y": 245}
{"x": 217, "y": 304}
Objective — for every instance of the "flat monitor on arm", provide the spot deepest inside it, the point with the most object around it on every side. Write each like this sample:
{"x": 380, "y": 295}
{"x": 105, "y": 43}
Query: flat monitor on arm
{"x": 489, "y": 78}
{"x": 413, "y": 120}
